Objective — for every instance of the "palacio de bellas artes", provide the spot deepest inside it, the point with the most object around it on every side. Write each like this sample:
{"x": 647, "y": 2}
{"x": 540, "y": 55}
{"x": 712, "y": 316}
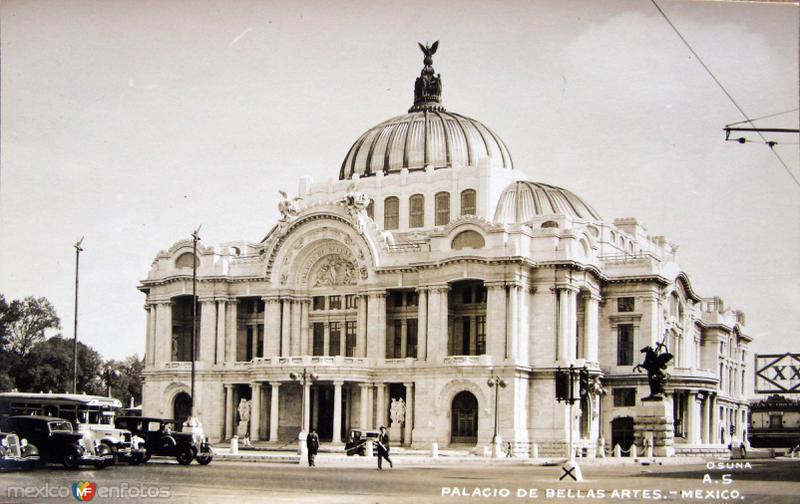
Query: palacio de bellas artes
{"x": 433, "y": 287}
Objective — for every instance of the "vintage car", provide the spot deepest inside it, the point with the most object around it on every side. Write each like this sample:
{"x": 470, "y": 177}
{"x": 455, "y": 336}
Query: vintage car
{"x": 357, "y": 441}
{"x": 58, "y": 443}
{"x": 163, "y": 439}
{"x": 125, "y": 446}
{"x": 17, "y": 453}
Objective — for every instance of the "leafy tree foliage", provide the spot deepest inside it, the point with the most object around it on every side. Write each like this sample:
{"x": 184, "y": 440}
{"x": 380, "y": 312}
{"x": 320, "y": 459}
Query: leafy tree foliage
{"x": 32, "y": 362}
{"x": 24, "y": 323}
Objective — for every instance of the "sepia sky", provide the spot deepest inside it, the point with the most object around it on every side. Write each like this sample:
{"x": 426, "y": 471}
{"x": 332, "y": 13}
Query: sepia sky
{"x": 130, "y": 123}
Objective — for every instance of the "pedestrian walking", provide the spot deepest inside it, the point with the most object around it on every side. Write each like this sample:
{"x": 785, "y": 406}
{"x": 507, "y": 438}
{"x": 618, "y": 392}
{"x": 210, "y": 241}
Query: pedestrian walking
{"x": 383, "y": 448}
{"x": 312, "y": 444}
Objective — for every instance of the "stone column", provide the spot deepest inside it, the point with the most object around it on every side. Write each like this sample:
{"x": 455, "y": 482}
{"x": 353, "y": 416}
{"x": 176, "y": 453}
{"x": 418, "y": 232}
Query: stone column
{"x": 163, "y": 341}
{"x": 380, "y": 407}
{"x": 409, "y": 420}
{"x": 255, "y": 410}
{"x": 376, "y": 327}
{"x": 219, "y": 346}
{"x": 305, "y": 307}
{"x": 591, "y": 327}
{"x": 512, "y": 347}
{"x": 712, "y": 419}
{"x": 337, "y": 412}
{"x": 363, "y": 420}
{"x": 326, "y": 339}
{"x": 691, "y": 418}
{"x": 361, "y": 327}
{"x": 229, "y": 411}
{"x": 496, "y": 337}
{"x": 306, "y": 407}
{"x": 294, "y": 343}
{"x": 403, "y": 340}
{"x": 274, "y": 411}
{"x": 232, "y": 332}
{"x": 149, "y": 347}
{"x": 205, "y": 333}
{"x": 422, "y": 324}
{"x": 705, "y": 417}
{"x": 286, "y": 327}
{"x": 272, "y": 326}
{"x": 566, "y": 323}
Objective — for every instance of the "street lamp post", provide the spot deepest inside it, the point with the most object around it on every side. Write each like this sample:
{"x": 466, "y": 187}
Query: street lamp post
{"x": 78, "y": 251}
{"x": 306, "y": 378}
{"x": 496, "y": 383}
{"x": 195, "y": 239}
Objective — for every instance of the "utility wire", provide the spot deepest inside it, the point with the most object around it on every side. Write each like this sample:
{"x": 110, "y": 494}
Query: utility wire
{"x": 744, "y": 114}
{"x": 762, "y": 117}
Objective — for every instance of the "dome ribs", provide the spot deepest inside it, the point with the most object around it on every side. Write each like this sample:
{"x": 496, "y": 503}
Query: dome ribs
{"x": 448, "y": 148}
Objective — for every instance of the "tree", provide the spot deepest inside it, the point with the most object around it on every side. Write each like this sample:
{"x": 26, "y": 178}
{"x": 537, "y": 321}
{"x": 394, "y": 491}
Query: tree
{"x": 128, "y": 383}
{"x": 25, "y": 322}
{"x": 47, "y": 367}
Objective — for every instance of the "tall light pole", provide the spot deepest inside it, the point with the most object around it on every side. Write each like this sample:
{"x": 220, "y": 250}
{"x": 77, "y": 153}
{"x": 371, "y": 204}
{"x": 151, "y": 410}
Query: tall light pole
{"x": 307, "y": 378}
{"x": 496, "y": 383}
{"x": 195, "y": 239}
{"x": 78, "y": 251}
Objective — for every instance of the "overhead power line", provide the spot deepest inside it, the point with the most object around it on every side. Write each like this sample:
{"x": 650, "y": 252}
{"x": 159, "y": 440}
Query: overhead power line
{"x": 771, "y": 145}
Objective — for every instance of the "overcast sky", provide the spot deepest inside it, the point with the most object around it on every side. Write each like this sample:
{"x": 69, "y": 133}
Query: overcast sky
{"x": 133, "y": 122}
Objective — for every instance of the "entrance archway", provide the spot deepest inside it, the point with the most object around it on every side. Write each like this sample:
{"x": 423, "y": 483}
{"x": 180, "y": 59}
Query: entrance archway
{"x": 622, "y": 432}
{"x": 464, "y": 419}
{"x": 181, "y": 408}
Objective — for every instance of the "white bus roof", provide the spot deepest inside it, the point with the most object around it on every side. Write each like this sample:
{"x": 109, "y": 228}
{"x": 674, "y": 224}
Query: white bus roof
{"x": 78, "y": 399}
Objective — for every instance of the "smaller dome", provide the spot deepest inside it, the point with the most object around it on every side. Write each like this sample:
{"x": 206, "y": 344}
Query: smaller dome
{"x": 522, "y": 201}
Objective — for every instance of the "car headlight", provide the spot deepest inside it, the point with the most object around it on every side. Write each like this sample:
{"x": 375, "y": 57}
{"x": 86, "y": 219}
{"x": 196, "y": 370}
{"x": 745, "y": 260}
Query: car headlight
{"x": 4, "y": 442}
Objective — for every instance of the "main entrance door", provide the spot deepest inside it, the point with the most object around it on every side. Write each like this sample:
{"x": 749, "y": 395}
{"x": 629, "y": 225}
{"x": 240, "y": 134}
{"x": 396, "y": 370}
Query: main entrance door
{"x": 322, "y": 411}
{"x": 464, "y": 419}
{"x": 181, "y": 408}
{"x": 622, "y": 433}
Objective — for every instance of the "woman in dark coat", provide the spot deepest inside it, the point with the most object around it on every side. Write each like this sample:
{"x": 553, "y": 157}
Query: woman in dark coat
{"x": 383, "y": 448}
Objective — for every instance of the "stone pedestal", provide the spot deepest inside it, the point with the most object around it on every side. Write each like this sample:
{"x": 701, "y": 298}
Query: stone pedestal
{"x": 653, "y": 426}
{"x": 396, "y": 433}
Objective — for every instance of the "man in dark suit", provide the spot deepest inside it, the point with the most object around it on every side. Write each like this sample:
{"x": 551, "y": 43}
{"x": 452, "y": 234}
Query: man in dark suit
{"x": 312, "y": 444}
{"x": 383, "y": 448}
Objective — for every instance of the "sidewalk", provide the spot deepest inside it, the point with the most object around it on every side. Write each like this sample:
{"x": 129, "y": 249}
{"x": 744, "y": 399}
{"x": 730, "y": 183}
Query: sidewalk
{"x": 408, "y": 457}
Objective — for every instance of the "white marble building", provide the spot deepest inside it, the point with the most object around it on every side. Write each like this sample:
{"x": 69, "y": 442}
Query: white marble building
{"x": 429, "y": 266}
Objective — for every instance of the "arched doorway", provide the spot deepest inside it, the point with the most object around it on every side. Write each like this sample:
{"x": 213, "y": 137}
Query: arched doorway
{"x": 181, "y": 408}
{"x": 622, "y": 433}
{"x": 464, "y": 419}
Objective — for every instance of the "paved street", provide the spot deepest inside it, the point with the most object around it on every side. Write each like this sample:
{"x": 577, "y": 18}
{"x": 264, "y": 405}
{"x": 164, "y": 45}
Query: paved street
{"x": 243, "y": 482}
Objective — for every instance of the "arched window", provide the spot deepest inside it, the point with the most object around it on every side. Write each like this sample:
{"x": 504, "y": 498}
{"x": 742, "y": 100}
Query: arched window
{"x": 442, "y": 208}
{"x": 549, "y": 224}
{"x": 468, "y": 202}
{"x": 185, "y": 260}
{"x": 391, "y": 213}
{"x": 416, "y": 211}
{"x": 468, "y": 239}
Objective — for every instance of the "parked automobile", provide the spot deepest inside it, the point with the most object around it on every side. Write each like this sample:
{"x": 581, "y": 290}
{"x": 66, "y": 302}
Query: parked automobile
{"x": 357, "y": 441}
{"x": 162, "y": 438}
{"x": 125, "y": 446}
{"x": 17, "y": 453}
{"x": 58, "y": 443}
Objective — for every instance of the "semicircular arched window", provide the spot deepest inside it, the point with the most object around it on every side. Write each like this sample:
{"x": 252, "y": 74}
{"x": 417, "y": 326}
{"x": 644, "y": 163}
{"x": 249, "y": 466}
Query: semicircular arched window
{"x": 549, "y": 224}
{"x": 185, "y": 260}
{"x": 468, "y": 239}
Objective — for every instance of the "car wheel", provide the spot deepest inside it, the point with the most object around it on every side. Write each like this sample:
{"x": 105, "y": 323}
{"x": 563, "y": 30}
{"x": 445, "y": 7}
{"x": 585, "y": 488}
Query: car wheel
{"x": 112, "y": 450}
{"x": 147, "y": 456}
{"x": 102, "y": 464}
{"x": 71, "y": 460}
{"x": 185, "y": 456}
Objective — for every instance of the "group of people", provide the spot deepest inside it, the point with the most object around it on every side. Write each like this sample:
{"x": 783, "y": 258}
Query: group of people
{"x": 382, "y": 444}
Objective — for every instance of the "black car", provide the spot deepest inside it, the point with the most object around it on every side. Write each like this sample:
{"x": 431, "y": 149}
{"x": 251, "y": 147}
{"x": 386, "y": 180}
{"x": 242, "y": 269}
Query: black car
{"x": 357, "y": 441}
{"x": 17, "y": 453}
{"x": 58, "y": 443}
{"x": 162, "y": 438}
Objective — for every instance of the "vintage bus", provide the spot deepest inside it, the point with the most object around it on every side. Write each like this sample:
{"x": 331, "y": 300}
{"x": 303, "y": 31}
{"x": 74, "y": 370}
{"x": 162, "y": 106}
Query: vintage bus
{"x": 90, "y": 414}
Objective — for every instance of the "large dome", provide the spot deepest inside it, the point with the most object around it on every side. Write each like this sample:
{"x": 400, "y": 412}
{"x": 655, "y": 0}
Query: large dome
{"x": 522, "y": 201}
{"x": 427, "y": 135}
